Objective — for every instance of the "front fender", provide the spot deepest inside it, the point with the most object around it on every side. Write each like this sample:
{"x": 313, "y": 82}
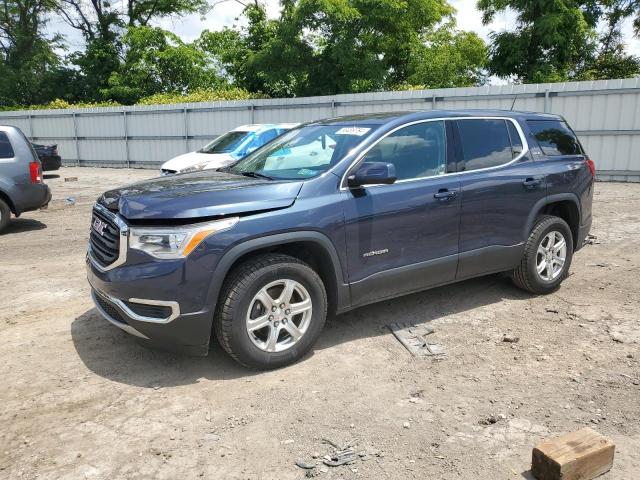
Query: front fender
{"x": 229, "y": 257}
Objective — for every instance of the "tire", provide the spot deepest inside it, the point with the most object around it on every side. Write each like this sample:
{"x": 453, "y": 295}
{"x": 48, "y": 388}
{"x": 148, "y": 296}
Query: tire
{"x": 239, "y": 306}
{"x": 526, "y": 275}
{"x": 5, "y": 215}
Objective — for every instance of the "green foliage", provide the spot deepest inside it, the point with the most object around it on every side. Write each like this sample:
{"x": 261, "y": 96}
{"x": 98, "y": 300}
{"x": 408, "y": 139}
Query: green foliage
{"x": 314, "y": 47}
{"x": 157, "y": 61}
{"x": 322, "y": 47}
{"x": 448, "y": 58}
{"x": 199, "y": 95}
{"x": 550, "y": 42}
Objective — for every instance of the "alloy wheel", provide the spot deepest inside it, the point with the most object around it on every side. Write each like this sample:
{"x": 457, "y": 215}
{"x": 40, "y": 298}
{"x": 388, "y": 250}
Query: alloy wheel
{"x": 551, "y": 256}
{"x": 279, "y": 315}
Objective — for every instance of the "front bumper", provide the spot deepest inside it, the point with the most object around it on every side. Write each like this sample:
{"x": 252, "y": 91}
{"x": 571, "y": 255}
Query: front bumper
{"x": 129, "y": 300}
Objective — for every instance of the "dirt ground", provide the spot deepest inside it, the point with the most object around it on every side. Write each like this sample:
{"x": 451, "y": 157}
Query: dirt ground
{"x": 80, "y": 399}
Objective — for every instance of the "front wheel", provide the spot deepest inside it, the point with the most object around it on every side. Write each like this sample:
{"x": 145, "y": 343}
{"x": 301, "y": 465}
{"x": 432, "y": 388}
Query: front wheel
{"x": 547, "y": 256}
{"x": 271, "y": 311}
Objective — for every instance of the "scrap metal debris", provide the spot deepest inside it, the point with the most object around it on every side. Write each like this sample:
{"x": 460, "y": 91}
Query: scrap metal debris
{"x": 413, "y": 337}
{"x": 345, "y": 454}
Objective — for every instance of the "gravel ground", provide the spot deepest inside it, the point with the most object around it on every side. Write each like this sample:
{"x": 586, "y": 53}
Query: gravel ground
{"x": 81, "y": 399}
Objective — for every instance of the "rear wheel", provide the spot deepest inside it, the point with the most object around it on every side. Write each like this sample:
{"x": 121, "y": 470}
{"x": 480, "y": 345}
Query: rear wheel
{"x": 5, "y": 215}
{"x": 271, "y": 311}
{"x": 547, "y": 256}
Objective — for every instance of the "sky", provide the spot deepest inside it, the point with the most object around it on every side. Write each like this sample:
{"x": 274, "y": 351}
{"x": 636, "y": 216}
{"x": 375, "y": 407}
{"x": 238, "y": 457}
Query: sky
{"x": 225, "y": 14}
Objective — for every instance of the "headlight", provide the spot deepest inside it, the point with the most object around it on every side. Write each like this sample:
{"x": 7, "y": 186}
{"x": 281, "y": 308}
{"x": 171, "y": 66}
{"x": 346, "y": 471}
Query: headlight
{"x": 175, "y": 242}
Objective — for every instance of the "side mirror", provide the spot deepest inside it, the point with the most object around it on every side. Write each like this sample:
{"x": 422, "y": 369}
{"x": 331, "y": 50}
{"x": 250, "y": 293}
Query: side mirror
{"x": 373, "y": 173}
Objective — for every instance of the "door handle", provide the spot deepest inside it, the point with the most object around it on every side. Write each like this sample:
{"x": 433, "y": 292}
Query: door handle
{"x": 444, "y": 195}
{"x": 531, "y": 183}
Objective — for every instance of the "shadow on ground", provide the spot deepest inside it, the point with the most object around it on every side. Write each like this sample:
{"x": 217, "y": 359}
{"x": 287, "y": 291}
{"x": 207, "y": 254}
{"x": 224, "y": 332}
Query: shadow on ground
{"x": 19, "y": 225}
{"x": 115, "y": 355}
{"x": 49, "y": 176}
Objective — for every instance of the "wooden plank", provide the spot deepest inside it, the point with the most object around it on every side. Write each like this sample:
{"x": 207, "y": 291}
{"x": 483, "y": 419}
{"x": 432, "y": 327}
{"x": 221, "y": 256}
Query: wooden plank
{"x": 580, "y": 455}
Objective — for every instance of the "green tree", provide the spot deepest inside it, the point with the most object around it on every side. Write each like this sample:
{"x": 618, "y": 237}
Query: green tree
{"x": 29, "y": 68}
{"x": 447, "y": 58}
{"x": 550, "y": 40}
{"x": 611, "y": 60}
{"x": 102, "y": 23}
{"x": 157, "y": 61}
{"x": 322, "y": 47}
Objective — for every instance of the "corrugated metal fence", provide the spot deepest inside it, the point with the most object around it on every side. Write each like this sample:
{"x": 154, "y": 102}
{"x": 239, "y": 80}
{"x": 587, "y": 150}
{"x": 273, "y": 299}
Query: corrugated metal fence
{"x": 605, "y": 114}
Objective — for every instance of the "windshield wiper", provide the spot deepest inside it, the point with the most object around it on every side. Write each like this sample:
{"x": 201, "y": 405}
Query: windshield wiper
{"x": 256, "y": 175}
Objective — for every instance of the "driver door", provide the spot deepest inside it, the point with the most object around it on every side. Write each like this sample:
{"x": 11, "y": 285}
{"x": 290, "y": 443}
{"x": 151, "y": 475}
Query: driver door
{"x": 403, "y": 237}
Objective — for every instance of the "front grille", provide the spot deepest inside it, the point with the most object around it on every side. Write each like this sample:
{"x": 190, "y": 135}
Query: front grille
{"x": 105, "y": 247}
{"x": 151, "y": 311}
{"x": 109, "y": 309}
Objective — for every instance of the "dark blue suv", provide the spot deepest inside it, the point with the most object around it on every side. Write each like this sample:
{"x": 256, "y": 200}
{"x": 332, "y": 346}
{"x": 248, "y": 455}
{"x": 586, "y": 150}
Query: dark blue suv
{"x": 337, "y": 214}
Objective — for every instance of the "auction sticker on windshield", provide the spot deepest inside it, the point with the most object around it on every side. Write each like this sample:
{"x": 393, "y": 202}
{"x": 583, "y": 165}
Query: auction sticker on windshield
{"x": 359, "y": 131}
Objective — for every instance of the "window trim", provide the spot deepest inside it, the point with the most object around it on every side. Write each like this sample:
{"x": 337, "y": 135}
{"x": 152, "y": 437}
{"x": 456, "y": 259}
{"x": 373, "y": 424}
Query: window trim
{"x": 525, "y": 150}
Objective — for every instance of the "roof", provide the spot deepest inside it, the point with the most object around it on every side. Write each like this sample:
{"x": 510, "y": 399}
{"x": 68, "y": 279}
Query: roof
{"x": 383, "y": 118}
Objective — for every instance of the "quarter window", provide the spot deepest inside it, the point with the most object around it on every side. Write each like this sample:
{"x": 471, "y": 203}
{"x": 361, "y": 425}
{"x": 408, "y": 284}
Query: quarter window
{"x": 555, "y": 137}
{"x": 485, "y": 143}
{"x": 416, "y": 151}
{"x": 6, "y": 150}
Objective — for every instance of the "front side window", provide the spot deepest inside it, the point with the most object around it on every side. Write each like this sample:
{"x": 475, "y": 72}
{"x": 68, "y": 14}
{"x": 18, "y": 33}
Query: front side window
{"x": 303, "y": 152}
{"x": 555, "y": 137}
{"x": 485, "y": 143}
{"x": 6, "y": 150}
{"x": 416, "y": 151}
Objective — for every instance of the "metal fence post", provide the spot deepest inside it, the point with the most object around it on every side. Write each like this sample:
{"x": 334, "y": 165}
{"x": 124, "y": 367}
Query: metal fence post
{"x": 75, "y": 138}
{"x": 186, "y": 130}
{"x": 30, "y": 126}
{"x": 126, "y": 137}
{"x": 333, "y": 107}
{"x": 252, "y": 107}
{"x": 546, "y": 100}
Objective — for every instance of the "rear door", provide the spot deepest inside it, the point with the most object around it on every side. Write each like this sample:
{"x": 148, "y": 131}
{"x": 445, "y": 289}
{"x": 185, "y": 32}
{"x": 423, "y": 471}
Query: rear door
{"x": 564, "y": 162}
{"x": 403, "y": 237}
{"x": 501, "y": 184}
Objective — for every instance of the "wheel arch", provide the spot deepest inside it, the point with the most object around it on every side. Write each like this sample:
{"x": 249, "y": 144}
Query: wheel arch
{"x": 4, "y": 196}
{"x": 311, "y": 247}
{"x": 563, "y": 205}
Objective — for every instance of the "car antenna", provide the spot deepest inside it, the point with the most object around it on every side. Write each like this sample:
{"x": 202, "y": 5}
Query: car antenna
{"x": 514, "y": 102}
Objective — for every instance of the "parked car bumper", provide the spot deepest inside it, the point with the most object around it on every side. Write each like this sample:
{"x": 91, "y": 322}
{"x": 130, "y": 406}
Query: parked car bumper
{"x": 129, "y": 300}
{"x": 31, "y": 197}
{"x": 50, "y": 163}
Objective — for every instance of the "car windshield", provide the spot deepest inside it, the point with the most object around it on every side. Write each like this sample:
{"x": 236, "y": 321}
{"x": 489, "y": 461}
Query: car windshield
{"x": 303, "y": 152}
{"x": 228, "y": 142}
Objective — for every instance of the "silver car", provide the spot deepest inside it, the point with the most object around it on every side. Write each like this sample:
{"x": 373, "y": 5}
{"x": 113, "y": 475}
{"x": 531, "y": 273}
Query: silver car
{"x": 21, "y": 185}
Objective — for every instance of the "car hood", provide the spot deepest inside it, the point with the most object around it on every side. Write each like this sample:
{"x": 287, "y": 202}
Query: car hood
{"x": 200, "y": 194}
{"x": 194, "y": 158}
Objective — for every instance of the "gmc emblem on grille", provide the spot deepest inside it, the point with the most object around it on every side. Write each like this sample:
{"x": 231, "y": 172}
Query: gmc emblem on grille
{"x": 99, "y": 226}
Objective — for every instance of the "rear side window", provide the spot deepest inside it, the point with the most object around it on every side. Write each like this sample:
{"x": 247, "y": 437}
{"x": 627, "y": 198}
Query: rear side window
{"x": 485, "y": 143}
{"x": 555, "y": 137}
{"x": 6, "y": 150}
